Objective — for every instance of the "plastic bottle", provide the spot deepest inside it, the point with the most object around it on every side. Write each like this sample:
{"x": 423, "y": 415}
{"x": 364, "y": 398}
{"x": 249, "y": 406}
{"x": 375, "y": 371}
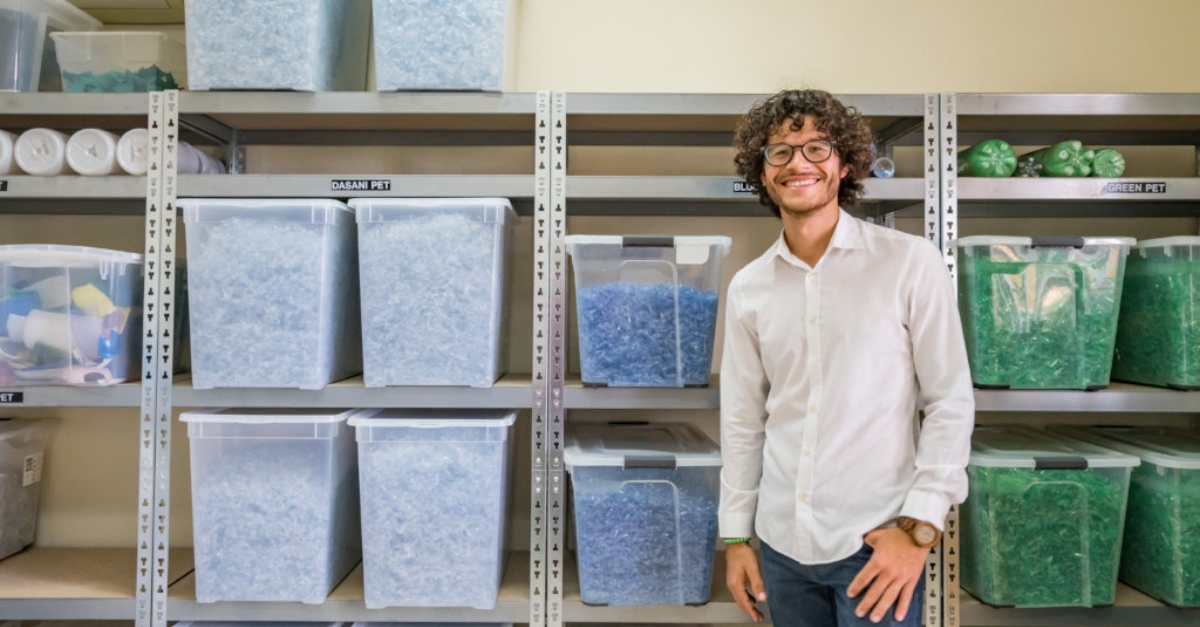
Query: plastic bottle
{"x": 41, "y": 152}
{"x": 192, "y": 160}
{"x": 7, "y": 165}
{"x": 881, "y": 167}
{"x": 132, "y": 152}
{"x": 93, "y": 152}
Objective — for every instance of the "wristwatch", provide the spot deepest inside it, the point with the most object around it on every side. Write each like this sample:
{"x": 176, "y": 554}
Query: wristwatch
{"x": 923, "y": 534}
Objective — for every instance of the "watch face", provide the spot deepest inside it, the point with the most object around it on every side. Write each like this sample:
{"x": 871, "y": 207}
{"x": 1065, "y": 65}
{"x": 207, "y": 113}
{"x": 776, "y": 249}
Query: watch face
{"x": 925, "y": 534}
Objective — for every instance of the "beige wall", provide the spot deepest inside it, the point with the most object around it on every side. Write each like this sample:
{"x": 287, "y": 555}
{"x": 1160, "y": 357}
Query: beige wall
{"x": 734, "y": 46}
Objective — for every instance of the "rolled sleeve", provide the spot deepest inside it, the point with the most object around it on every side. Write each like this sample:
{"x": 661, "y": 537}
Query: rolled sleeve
{"x": 744, "y": 389}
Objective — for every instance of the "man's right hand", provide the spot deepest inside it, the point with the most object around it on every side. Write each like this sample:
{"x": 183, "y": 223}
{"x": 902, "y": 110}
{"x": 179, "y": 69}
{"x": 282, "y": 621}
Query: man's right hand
{"x": 743, "y": 577}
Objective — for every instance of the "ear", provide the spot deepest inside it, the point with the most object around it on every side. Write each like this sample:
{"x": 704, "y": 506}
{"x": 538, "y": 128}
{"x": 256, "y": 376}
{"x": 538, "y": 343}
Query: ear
{"x": 762, "y": 178}
{"x": 845, "y": 170}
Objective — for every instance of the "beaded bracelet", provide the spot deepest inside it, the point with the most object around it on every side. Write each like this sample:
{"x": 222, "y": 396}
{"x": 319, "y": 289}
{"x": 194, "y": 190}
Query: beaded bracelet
{"x": 736, "y": 540}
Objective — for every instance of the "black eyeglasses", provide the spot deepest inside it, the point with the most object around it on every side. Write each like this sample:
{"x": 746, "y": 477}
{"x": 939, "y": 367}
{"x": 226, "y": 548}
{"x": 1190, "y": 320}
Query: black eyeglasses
{"x": 816, "y": 151}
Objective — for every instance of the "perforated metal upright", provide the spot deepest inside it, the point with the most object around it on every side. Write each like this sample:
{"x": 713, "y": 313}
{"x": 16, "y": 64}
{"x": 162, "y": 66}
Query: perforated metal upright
{"x": 155, "y": 428}
{"x": 948, "y": 223}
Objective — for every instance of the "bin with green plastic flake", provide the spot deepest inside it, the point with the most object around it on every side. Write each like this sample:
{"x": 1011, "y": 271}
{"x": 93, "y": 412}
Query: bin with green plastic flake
{"x": 1158, "y": 335}
{"x": 1043, "y": 523}
{"x": 1161, "y": 554}
{"x": 1041, "y": 312}
{"x": 1064, "y": 159}
{"x": 990, "y": 158}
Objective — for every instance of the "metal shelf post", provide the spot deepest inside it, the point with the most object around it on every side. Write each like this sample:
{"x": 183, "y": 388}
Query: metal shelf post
{"x": 948, "y": 218}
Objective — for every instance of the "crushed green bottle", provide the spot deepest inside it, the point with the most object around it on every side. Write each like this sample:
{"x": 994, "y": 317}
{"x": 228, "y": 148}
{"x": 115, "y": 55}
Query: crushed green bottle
{"x": 990, "y": 158}
{"x": 1108, "y": 163}
{"x": 1064, "y": 159}
{"x": 119, "y": 81}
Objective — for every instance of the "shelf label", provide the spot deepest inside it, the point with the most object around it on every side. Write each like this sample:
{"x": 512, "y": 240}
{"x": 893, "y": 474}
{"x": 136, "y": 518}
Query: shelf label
{"x": 32, "y": 470}
{"x": 742, "y": 187}
{"x": 3, "y": 186}
{"x": 361, "y": 185}
{"x": 12, "y": 397}
{"x": 1117, "y": 187}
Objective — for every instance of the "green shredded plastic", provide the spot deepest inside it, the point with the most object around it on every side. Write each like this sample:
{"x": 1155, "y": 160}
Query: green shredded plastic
{"x": 119, "y": 81}
{"x": 1158, "y": 338}
{"x": 1161, "y": 555}
{"x": 1042, "y": 538}
{"x": 1047, "y": 321}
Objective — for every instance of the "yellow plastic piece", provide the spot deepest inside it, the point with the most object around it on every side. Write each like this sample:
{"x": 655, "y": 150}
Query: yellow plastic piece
{"x": 92, "y": 301}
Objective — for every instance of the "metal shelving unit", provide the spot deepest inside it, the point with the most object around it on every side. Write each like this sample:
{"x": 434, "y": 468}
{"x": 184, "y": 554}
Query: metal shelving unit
{"x": 1096, "y": 119}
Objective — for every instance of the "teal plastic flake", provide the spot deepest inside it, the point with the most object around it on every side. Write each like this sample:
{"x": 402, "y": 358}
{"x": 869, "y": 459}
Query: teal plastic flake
{"x": 1158, "y": 340}
{"x": 119, "y": 81}
{"x": 1041, "y": 538}
{"x": 1161, "y": 556}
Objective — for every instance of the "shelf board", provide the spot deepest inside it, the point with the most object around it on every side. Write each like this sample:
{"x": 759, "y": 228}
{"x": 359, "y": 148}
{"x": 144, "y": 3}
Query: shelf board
{"x": 1130, "y": 107}
{"x": 345, "y": 603}
{"x": 75, "y": 583}
{"x": 870, "y": 105}
{"x": 511, "y": 391}
{"x": 511, "y": 186}
{"x": 1131, "y": 190}
{"x": 83, "y": 189}
{"x": 67, "y": 112}
{"x": 1117, "y": 397}
{"x": 720, "y": 608}
{"x": 120, "y": 395}
{"x": 1131, "y": 608}
{"x": 576, "y": 396}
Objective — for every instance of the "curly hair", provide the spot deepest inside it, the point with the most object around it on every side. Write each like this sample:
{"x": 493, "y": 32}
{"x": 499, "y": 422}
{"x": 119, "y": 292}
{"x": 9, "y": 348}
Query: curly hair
{"x": 841, "y": 124}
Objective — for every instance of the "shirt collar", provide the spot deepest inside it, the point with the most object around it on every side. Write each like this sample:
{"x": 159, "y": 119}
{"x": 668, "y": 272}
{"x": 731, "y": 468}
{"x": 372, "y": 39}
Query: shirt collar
{"x": 847, "y": 234}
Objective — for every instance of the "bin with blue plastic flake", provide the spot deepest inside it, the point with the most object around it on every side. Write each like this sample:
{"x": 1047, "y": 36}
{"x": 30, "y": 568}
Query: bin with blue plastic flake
{"x": 645, "y": 499}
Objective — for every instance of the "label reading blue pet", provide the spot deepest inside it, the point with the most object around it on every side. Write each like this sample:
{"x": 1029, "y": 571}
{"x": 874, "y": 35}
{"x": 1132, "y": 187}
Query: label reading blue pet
{"x": 12, "y": 397}
{"x": 361, "y": 185}
{"x": 1120, "y": 187}
{"x": 742, "y": 187}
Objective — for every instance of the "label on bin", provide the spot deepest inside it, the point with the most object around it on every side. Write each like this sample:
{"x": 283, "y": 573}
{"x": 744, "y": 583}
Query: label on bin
{"x": 361, "y": 185}
{"x": 1119, "y": 187}
{"x": 12, "y": 397}
{"x": 33, "y": 469}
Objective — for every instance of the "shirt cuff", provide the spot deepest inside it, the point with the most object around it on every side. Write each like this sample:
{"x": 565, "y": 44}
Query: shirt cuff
{"x": 736, "y": 526}
{"x": 927, "y": 506}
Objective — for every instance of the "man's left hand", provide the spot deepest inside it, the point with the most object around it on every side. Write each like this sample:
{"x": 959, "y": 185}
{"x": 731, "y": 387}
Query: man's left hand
{"x": 890, "y": 576}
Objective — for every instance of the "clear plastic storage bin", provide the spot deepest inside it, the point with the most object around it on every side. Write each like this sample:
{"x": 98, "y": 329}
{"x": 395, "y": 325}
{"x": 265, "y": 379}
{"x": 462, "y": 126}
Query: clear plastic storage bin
{"x": 434, "y": 487}
{"x": 1158, "y": 334}
{"x": 273, "y": 292}
{"x": 645, "y": 499}
{"x": 22, "y": 447}
{"x": 27, "y": 58}
{"x": 434, "y": 278}
{"x": 1041, "y": 312}
{"x": 274, "y": 503}
{"x": 647, "y": 308}
{"x": 301, "y": 45}
{"x": 437, "y": 45}
{"x": 1161, "y": 551}
{"x": 69, "y": 315}
{"x": 120, "y": 62}
{"x": 1042, "y": 524}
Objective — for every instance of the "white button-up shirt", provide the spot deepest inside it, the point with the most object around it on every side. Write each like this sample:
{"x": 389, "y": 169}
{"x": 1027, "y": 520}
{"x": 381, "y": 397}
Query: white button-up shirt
{"x": 820, "y": 378}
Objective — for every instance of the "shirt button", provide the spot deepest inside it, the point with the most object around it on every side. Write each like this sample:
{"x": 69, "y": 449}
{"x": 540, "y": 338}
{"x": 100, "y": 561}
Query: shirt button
{"x": 812, "y": 319}
{"x": 812, "y": 407}
{"x": 815, "y": 363}
{"x": 808, "y": 452}
{"x": 803, "y": 496}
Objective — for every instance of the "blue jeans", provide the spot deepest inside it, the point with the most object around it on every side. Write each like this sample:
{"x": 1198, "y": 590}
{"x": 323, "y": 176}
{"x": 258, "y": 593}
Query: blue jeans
{"x": 815, "y": 596}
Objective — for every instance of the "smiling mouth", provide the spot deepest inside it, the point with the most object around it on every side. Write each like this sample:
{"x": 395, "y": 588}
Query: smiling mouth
{"x": 797, "y": 183}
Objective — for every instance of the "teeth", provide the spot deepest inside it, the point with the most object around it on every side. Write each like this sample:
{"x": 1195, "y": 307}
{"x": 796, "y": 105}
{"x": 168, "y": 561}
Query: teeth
{"x": 794, "y": 183}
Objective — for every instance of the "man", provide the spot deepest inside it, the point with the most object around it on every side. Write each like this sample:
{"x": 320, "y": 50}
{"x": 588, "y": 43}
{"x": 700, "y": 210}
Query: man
{"x": 830, "y": 336}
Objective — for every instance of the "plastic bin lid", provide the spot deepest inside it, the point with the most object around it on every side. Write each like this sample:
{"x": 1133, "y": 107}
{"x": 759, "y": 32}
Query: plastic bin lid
{"x": 1164, "y": 446}
{"x": 53, "y": 255}
{"x": 59, "y": 11}
{"x": 377, "y": 624}
{"x": 324, "y": 210}
{"x": 237, "y": 623}
{"x": 639, "y": 445}
{"x": 16, "y": 427}
{"x": 267, "y": 415}
{"x": 1016, "y": 446}
{"x": 1016, "y": 240}
{"x": 653, "y": 241}
{"x": 1162, "y": 242}
{"x": 433, "y": 418}
{"x": 432, "y": 203}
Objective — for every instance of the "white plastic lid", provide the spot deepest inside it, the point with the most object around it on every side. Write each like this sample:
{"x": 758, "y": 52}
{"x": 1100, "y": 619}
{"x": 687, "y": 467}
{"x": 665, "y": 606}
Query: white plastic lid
{"x": 19, "y": 428}
{"x": 1163, "y": 242}
{"x": 689, "y": 249}
{"x": 319, "y": 210}
{"x": 433, "y": 418}
{"x": 7, "y": 164}
{"x": 132, "y": 152}
{"x": 267, "y": 415}
{"x": 54, "y": 255}
{"x": 632, "y": 445}
{"x": 1163, "y": 446}
{"x": 363, "y": 207}
{"x": 92, "y": 152}
{"x": 41, "y": 152}
{"x": 1010, "y": 240}
{"x": 1016, "y": 446}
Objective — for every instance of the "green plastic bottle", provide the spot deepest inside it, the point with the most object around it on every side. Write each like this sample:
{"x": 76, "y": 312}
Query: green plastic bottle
{"x": 1065, "y": 159}
{"x": 991, "y": 158}
{"x": 1108, "y": 163}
